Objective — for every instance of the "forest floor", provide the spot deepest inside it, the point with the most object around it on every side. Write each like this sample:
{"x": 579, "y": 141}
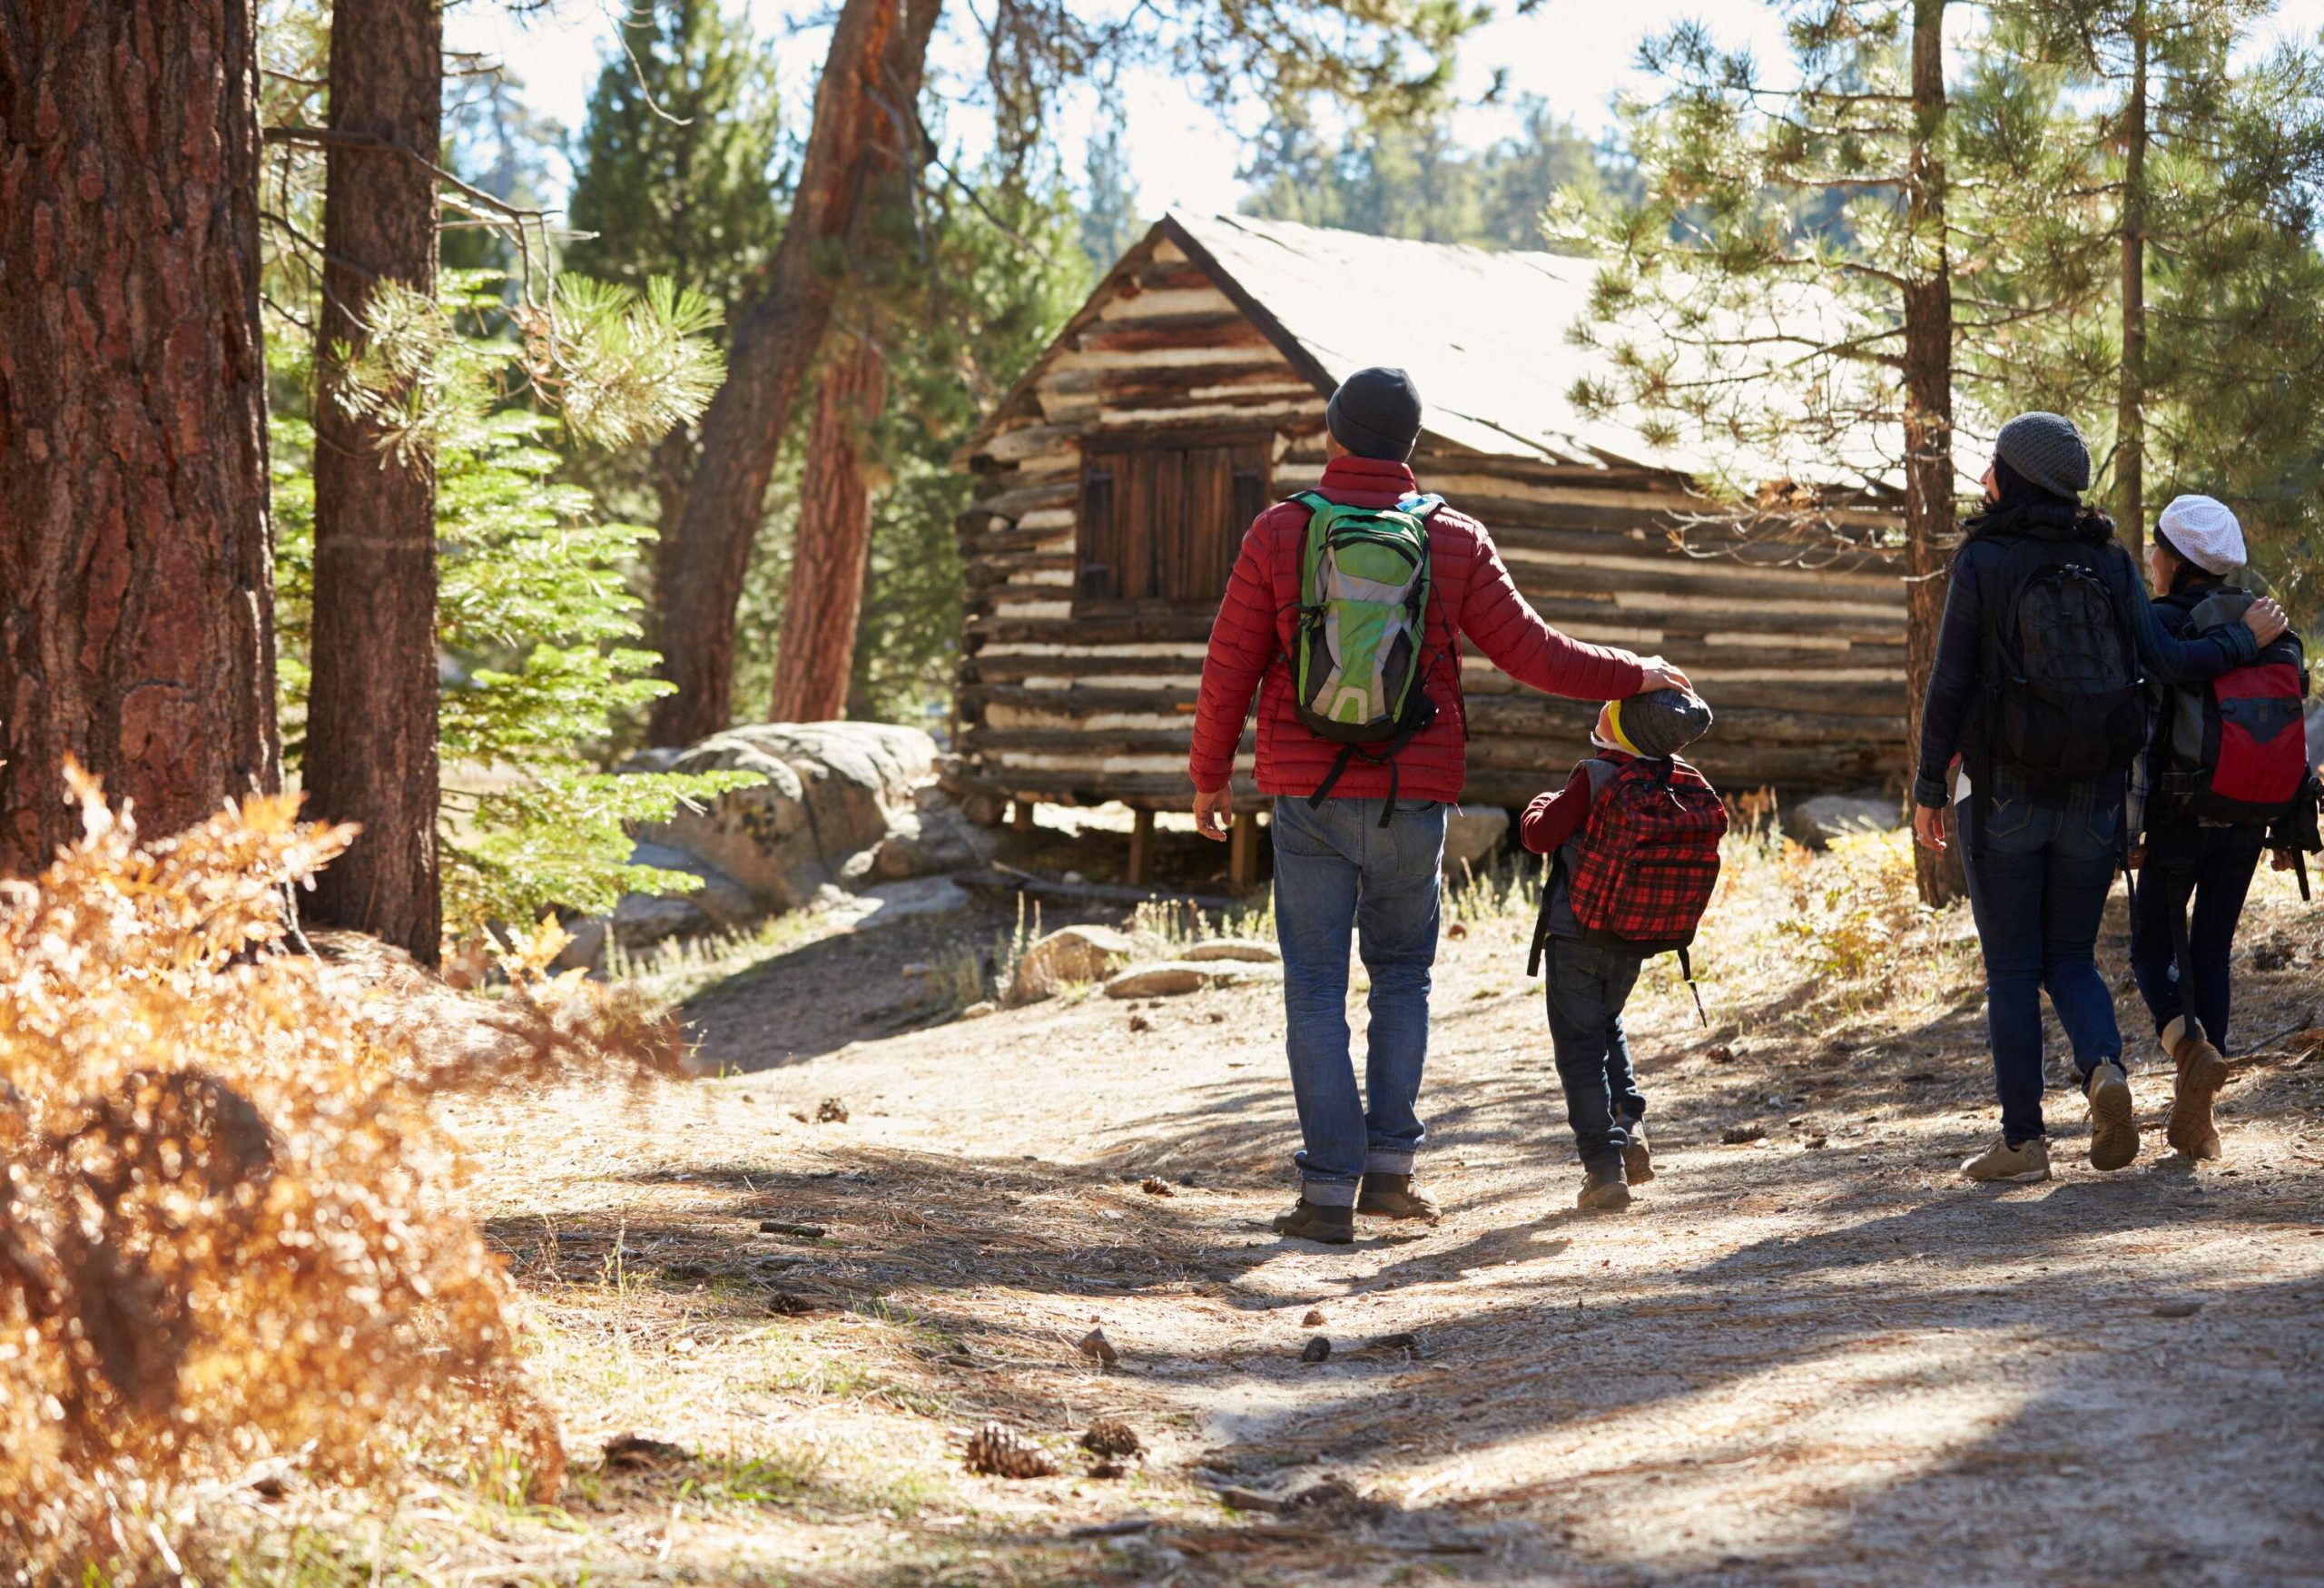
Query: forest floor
{"x": 1810, "y": 1353}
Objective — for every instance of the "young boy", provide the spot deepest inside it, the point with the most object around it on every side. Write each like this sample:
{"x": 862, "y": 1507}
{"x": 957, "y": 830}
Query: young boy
{"x": 1635, "y": 832}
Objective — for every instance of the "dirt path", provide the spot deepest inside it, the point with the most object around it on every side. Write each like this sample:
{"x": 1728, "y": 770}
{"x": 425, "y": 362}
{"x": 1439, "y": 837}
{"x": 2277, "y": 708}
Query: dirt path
{"x": 1811, "y": 1356}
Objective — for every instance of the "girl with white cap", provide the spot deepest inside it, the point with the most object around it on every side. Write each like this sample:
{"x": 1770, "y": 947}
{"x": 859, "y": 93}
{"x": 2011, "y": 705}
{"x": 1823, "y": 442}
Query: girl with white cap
{"x": 2196, "y": 554}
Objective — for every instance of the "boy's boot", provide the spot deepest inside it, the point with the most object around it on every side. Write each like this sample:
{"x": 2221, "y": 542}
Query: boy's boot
{"x": 1637, "y": 1163}
{"x": 2113, "y": 1127}
{"x": 2022, "y": 1164}
{"x": 1603, "y": 1192}
{"x": 2203, "y": 1070}
{"x": 1310, "y": 1221}
{"x": 1393, "y": 1197}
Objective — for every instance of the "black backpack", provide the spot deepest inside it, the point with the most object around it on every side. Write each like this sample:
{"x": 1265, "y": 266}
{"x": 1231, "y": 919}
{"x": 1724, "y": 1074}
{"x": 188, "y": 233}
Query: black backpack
{"x": 2065, "y": 699}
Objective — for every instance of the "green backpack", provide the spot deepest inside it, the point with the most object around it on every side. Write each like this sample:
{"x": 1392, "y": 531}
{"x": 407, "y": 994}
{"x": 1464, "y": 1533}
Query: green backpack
{"x": 1356, "y": 657}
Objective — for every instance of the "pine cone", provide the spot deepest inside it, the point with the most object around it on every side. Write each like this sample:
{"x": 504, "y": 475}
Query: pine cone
{"x": 1111, "y": 1437}
{"x": 1001, "y": 1451}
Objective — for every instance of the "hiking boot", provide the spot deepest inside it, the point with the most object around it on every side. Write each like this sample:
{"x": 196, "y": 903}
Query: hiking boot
{"x": 1393, "y": 1197}
{"x": 1603, "y": 1192}
{"x": 2203, "y": 1070}
{"x": 2113, "y": 1129}
{"x": 1637, "y": 1163}
{"x": 2022, "y": 1164}
{"x": 1311, "y": 1222}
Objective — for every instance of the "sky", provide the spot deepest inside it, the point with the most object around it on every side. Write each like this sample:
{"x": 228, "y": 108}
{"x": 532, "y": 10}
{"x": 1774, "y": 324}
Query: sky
{"x": 1579, "y": 54}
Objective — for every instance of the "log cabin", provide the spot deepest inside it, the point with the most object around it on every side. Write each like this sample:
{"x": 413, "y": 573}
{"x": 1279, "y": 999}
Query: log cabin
{"x": 1115, "y": 481}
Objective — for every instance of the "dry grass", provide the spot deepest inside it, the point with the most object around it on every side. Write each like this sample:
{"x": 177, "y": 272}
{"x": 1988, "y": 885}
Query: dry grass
{"x": 229, "y": 1241}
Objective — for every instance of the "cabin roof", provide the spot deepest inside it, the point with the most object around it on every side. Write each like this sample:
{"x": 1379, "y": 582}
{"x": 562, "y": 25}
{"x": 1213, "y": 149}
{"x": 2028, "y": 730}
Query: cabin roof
{"x": 1485, "y": 335}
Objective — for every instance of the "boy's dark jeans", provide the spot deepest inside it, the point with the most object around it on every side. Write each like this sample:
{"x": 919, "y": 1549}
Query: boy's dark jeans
{"x": 1587, "y": 989}
{"x": 2214, "y": 865}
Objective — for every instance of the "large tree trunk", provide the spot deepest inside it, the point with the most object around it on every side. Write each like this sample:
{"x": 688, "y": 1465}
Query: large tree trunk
{"x": 370, "y": 754}
{"x": 701, "y": 567}
{"x": 2130, "y": 416}
{"x": 1928, "y": 410}
{"x": 816, "y": 657}
{"x": 136, "y": 583}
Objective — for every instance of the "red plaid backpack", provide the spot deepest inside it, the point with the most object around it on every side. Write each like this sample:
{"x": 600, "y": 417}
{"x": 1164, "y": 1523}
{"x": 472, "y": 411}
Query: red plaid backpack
{"x": 1649, "y": 860}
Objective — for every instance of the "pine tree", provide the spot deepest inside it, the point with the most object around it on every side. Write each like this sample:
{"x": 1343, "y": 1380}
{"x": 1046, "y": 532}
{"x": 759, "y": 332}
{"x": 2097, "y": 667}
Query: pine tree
{"x": 1109, "y": 213}
{"x": 136, "y": 622}
{"x": 1783, "y": 292}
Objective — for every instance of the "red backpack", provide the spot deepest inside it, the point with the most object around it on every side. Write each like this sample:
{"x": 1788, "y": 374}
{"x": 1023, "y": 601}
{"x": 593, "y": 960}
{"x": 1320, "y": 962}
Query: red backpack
{"x": 1649, "y": 863}
{"x": 2235, "y": 749}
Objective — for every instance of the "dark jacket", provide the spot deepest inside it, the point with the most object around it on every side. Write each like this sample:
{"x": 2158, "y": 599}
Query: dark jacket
{"x": 1954, "y": 682}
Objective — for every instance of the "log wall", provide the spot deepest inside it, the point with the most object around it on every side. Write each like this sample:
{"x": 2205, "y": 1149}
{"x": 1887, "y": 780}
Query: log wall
{"x": 1803, "y": 668}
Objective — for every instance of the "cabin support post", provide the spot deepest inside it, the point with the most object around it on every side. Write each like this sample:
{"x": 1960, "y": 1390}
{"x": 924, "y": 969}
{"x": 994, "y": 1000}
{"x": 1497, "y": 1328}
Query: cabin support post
{"x": 1141, "y": 848}
{"x": 1243, "y": 851}
{"x": 1020, "y": 814}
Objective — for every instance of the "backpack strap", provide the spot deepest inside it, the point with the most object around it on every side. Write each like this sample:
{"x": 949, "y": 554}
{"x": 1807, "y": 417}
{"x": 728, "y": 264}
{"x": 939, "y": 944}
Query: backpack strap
{"x": 1687, "y": 974}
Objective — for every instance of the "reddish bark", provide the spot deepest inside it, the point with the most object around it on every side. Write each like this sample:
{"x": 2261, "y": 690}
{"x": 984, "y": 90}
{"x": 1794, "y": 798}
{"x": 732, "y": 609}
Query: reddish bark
{"x": 816, "y": 657}
{"x": 1928, "y": 415}
{"x": 136, "y": 584}
{"x": 370, "y": 755}
{"x": 863, "y": 102}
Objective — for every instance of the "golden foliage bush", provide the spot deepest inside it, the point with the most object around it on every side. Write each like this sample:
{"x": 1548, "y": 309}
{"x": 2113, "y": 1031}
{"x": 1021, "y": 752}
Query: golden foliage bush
{"x": 227, "y": 1228}
{"x": 1852, "y": 904}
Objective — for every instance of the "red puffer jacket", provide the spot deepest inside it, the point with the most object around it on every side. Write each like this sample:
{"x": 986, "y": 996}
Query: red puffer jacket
{"x": 1471, "y": 594}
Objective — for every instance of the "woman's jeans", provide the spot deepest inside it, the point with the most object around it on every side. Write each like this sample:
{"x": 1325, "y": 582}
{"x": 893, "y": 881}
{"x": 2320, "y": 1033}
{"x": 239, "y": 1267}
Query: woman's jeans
{"x": 1587, "y": 989}
{"x": 2038, "y": 892}
{"x": 2214, "y": 866}
{"x": 1336, "y": 872}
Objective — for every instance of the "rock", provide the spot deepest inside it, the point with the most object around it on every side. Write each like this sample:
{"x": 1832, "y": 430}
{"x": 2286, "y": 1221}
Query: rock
{"x": 890, "y": 904}
{"x": 980, "y": 1008}
{"x": 586, "y": 950}
{"x": 641, "y": 920}
{"x": 719, "y": 896}
{"x": 1234, "y": 948}
{"x": 830, "y": 1111}
{"x": 1472, "y": 833}
{"x": 1170, "y": 978}
{"x": 655, "y": 760}
{"x": 833, "y": 793}
{"x": 1816, "y": 823}
{"x": 1313, "y": 1320}
{"x": 1074, "y": 953}
{"x": 934, "y": 835}
{"x": 1098, "y": 1349}
{"x": 1319, "y": 1349}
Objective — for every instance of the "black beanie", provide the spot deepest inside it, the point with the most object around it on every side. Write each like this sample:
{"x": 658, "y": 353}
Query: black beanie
{"x": 1376, "y": 413}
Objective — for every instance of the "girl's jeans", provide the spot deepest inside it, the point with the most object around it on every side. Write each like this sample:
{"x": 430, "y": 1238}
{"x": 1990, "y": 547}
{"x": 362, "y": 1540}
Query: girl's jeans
{"x": 1338, "y": 871}
{"x": 2214, "y": 865}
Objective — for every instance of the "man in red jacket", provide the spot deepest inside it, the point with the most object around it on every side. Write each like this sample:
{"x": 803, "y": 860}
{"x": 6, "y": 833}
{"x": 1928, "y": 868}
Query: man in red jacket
{"x": 1338, "y": 866}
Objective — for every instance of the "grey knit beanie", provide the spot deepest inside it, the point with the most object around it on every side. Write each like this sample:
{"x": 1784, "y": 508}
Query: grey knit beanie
{"x": 1662, "y": 722}
{"x": 2047, "y": 450}
{"x": 1376, "y": 413}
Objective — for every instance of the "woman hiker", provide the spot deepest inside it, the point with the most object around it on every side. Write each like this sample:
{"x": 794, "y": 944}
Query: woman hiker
{"x": 2035, "y": 711}
{"x": 2190, "y": 854}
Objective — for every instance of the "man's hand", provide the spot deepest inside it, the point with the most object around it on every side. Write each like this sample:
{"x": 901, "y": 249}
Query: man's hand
{"x": 2136, "y": 858}
{"x": 1928, "y": 827}
{"x": 2265, "y": 620}
{"x": 1658, "y": 674}
{"x": 1213, "y": 812}
{"x": 2282, "y": 860}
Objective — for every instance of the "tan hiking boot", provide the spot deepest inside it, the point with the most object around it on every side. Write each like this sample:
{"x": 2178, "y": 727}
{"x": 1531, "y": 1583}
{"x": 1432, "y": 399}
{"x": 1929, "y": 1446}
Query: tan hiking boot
{"x": 2203, "y": 1070}
{"x": 2113, "y": 1127}
{"x": 1311, "y": 1222}
{"x": 1603, "y": 1192}
{"x": 1637, "y": 1162}
{"x": 2022, "y": 1164}
{"x": 1393, "y": 1197}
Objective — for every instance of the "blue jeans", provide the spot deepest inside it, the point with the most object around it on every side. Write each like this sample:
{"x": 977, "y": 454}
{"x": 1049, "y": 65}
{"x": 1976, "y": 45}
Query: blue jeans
{"x": 2038, "y": 893}
{"x": 1336, "y": 872}
{"x": 1587, "y": 989}
{"x": 2213, "y": 865}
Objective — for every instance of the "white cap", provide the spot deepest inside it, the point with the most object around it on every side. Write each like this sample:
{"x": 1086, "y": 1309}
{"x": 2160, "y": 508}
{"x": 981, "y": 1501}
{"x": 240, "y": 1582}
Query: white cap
{"x": 2205, "y": 531}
